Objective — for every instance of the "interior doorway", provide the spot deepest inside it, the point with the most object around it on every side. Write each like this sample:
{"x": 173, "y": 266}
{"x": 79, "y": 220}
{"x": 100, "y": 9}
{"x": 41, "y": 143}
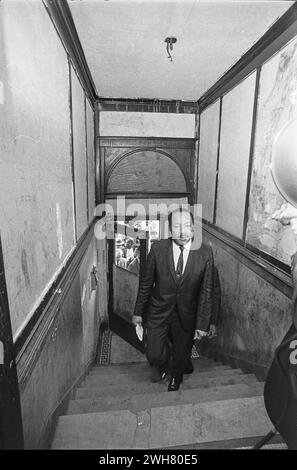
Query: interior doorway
{"x": 127, "y": 254}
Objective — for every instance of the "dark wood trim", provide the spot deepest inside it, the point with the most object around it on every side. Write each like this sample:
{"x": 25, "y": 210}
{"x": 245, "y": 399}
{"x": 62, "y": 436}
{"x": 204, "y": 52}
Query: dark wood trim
{"x": 273, "y": 261}
{"x": 11, "y": 425}
{"x": 276, "y": 273}
{"x": 251, "y": 155}
{"x": 135, "y": 195}
{"x": 110, "y": 263}
{"x": 56, "y": 293}
{"x": 87, "y": 157}
{"x": 280, "y": 33}
{"x": 150, "y": 142}
{"x": 147, "y": 105}
{"x": 61, "y": 17}
{"x": 72, "y": 147}
{"x": 98, "y": 169}
{"x": 103, "y": 171}
{"x": 218, "y": 162}
{"x": 196, "y": 154}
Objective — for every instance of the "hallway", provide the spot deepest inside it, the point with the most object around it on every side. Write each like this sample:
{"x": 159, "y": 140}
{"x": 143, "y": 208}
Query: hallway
{"x": 113, "y": 113}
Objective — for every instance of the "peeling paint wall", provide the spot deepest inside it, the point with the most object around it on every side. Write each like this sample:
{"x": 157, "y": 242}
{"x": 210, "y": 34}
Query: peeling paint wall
{"x": 37, "y": 210}
{"x": 36, "y": 191}
{"x": 36, "y": 184}
{"x": 277, "y": 105}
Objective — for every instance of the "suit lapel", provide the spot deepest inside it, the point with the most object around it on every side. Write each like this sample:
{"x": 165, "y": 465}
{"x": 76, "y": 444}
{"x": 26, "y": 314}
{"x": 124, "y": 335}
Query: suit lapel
{"x": 170, "y": 261}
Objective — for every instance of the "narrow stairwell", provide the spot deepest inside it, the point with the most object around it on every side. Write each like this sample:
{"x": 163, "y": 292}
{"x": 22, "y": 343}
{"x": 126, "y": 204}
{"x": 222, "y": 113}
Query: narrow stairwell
{"x": 119, "y": 407}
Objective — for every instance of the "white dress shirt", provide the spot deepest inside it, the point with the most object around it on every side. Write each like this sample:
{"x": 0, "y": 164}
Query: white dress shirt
{"x": 186, "y": 251}
{"x": 177, "y": 252}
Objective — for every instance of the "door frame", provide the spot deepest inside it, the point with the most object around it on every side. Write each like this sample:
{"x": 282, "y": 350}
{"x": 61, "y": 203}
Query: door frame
{"x": 117, "y": 324}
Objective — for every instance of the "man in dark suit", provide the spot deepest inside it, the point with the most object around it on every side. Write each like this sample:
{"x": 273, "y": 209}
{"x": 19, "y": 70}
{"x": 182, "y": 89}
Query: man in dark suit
{"x": 175, "y": 297}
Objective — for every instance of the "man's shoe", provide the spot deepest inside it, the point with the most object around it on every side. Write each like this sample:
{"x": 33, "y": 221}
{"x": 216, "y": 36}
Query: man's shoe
{"x": 189, "y": 369}
{"x": 174, "y": 384}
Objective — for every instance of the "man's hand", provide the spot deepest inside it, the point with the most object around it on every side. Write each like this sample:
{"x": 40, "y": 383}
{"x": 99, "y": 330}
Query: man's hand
{"x": 212, "y": 331}
{"x": 137, "y": 320}
{"x": 199, "y": 334}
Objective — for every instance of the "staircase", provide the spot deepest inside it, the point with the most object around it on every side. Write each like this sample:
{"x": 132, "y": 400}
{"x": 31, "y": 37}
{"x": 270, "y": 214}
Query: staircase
{"x": 120, "y": 407}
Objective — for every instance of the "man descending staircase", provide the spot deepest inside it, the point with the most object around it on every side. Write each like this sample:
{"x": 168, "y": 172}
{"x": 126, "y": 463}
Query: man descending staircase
{"x": 120, "y": 407}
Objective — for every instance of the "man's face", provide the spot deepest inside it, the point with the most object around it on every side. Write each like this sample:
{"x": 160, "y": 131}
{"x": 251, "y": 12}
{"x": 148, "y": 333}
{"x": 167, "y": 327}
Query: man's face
{"x": 181, "y": 227}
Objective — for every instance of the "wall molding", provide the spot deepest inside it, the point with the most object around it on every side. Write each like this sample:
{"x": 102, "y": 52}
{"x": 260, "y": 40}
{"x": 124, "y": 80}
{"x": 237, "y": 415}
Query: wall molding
{"x": 148, "y": 195}
{"x": 30, "y": 342}
{"x": 277, "y": 277}
{"x": 148, "y": 105}
{"x": 61, "y": 17}
{"x": 277, "y": 36}
{"x": 149, "y": 142}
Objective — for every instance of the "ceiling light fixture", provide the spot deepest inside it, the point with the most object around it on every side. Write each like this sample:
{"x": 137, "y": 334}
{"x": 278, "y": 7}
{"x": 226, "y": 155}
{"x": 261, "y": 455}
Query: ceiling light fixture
{"x": 170, "y": 41}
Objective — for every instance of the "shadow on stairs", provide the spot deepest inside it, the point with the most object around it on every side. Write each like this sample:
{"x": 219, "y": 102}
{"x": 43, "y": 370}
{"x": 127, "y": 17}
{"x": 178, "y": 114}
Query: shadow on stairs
{"x": 120, "y": 407}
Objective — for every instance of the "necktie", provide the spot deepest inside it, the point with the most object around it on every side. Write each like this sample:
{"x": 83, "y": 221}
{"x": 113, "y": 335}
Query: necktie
{"x": 180, "y": 263}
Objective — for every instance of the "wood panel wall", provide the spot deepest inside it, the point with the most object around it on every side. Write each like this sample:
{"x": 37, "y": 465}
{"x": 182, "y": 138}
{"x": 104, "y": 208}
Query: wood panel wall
{"x": 142, "y": 166}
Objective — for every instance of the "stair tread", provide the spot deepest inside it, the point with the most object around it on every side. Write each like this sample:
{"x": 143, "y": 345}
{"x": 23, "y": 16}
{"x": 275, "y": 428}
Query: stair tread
{"x": 99, "y": 381}
{"x": 136, "y": 366}
{"x": 147, "y": 370}
{"x": 142, "y": 387}
{"x": 164, "y": 426}
{"x": 153, "y": 400}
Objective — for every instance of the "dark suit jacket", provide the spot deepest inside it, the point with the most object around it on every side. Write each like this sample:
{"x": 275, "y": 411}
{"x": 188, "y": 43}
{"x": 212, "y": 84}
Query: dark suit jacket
{"x": 160, "y": 293}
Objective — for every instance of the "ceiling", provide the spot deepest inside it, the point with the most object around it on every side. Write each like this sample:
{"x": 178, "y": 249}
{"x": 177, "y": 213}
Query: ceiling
{"x": 123, "y": 41}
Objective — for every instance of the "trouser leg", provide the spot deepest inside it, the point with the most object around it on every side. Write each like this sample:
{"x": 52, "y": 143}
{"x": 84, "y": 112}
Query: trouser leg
{"x": 158, "y": 347}
{"x": 182, "y": 345}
